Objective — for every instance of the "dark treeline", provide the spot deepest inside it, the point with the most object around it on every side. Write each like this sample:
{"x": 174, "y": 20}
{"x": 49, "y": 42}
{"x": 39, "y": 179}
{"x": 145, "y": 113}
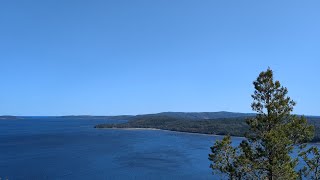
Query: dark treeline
{"x": 221, "y": 126}
{"x": 8, "y": 117}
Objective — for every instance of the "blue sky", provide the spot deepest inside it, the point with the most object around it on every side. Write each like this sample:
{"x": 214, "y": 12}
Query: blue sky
{"x": 61, "y": 57}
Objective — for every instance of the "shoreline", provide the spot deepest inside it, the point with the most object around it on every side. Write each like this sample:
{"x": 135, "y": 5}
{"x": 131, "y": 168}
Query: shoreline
{"x": 192, "y": 133}
{"x": 166, "y": 130}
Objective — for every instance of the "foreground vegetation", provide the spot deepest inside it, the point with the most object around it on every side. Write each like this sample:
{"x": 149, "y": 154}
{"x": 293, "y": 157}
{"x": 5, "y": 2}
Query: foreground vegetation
{"x": 273, "y": 134}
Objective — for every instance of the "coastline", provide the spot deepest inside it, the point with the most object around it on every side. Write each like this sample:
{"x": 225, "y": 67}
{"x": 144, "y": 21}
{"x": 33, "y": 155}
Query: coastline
{"x": 192, "y": 133}
{"x": 166, "y": 130}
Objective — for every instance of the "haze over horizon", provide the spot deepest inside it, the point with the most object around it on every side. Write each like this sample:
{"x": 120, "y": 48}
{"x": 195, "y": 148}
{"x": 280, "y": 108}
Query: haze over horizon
{"x": 140, "y": 57}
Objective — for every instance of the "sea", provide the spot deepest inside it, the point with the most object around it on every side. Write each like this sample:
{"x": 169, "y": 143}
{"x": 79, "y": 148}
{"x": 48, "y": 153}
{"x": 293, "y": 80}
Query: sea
{"x": 65, "y": 148}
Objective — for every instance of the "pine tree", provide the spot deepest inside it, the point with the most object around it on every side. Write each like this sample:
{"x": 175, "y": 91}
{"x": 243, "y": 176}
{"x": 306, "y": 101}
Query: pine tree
{"x": 224, "y": 158}
{"x": 273, "y": 133}
{"x": 311, "y": 158}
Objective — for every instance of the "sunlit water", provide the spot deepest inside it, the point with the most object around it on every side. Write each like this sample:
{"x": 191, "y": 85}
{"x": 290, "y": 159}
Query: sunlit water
{"x": 52, "y": 148}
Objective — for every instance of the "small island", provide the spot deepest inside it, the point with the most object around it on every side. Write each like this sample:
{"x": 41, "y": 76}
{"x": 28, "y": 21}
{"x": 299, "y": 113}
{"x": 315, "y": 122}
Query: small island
{"x": 7, "y": 117}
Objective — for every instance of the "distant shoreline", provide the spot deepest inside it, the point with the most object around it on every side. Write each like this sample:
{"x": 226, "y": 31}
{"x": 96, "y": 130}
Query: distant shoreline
{"x": 153, "y": 129}
{"x": 167, "y": 130}
{"x": 236, "y": 127}
{"x": 192, "y": 133}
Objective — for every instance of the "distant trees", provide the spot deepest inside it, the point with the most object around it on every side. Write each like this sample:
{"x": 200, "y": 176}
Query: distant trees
{"x": 272, "y": 136}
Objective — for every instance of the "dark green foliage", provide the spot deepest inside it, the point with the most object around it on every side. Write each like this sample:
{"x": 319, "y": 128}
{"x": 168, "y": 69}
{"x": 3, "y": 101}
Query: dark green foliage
{"x": 312, "y": 159}
{"x": 315, "y": 121}
{"x": 273, "y": 133}
{"x": 223, "y": 158}
{"x": 232, "y": 126}
{"x": 8, "y": 117}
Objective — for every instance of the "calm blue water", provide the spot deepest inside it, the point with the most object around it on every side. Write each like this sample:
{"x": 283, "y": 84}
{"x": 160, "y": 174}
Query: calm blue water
{"x": 51, "y": 148}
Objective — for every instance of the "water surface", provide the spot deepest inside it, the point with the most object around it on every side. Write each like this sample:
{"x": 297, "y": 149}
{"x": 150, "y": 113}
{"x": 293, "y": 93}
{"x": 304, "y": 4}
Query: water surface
{"x": 55, "y": 148}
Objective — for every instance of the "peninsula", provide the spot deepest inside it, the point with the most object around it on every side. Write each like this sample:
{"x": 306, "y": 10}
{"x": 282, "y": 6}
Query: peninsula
{"x": 215, "y": 123}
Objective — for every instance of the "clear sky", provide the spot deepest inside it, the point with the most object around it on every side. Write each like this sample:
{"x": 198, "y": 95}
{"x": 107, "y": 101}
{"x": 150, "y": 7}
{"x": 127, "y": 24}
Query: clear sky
{"x": 108, "y": 57}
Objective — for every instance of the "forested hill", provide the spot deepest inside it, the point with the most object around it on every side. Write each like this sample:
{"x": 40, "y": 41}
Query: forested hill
{"x": 200, "y": 115}
{"x": 178, "y": 115}
{"x": 232, "y": 126}
{"x": 235, "y": 126}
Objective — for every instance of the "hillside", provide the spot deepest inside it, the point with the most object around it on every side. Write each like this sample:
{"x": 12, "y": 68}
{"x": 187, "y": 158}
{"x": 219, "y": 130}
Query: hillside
{"x": 177, "y": 115}
{"x": 232, "y": 126}
{"x": 182, "y": 122}
{"x": 200, "y": 115}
